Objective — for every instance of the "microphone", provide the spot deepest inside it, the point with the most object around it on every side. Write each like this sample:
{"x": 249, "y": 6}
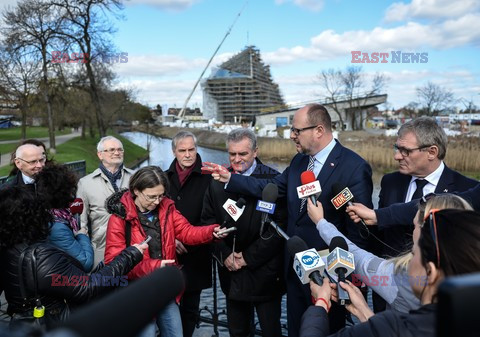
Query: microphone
{"x": 342, "y": 197}
{"x": 310, "y": 187}
{"x": 307, "y": 263}
{"x": 127, "y": 311}
{"x": 341, "y": 262}
{"x": 267, "y": 207}
{"x": 76, "y": 208}
{"x": 234, "y": 209}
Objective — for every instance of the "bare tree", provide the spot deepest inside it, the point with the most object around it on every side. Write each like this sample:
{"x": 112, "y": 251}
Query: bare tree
{"x": 350, "y": 88}
{"x": 19, "y": 77}
{"x": 434, "y": 99}
{"x": 90, "y": 31}
{"x": 32, "y": 28}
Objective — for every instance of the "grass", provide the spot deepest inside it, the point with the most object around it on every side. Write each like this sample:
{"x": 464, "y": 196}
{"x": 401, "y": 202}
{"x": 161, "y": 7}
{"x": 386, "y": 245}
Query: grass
{"x": 86, "y": 149}
{"x": 7, "y": 148}
{"x": 32, "y": 132}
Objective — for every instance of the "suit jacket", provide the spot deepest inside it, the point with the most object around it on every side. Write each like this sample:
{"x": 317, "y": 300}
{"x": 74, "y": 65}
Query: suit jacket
{"x": 342, "y": 166}
{"x": 394, "y": 187}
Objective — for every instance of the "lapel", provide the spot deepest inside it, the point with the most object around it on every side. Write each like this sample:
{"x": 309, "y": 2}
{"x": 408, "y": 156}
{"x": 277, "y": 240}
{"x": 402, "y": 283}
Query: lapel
{"x": 445, "y": 181}
{"x": 403, "y": 184}
{"x": 330, "y": 164}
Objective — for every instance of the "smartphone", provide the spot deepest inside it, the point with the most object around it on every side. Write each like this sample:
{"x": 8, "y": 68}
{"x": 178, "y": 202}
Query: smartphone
{"x": 146, "y": 240}
{"x": 227, "y": 230}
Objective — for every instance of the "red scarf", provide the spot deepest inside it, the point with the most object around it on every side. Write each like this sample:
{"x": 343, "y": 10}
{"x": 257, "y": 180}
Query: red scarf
{"x": 183, "y": 174}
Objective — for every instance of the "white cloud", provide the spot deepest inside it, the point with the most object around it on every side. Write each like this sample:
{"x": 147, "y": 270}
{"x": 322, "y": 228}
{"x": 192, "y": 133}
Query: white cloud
{"x": 411, "y": 36}
{"x": 154, "y": 65}
{"x": 173, "y": 5}
{"x": 430, "y": 9}
{"x": 313, "y": 5}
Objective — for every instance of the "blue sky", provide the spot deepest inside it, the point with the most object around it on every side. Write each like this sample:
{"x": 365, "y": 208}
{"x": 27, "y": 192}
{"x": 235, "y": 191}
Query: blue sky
{"x": 169, "y": 43}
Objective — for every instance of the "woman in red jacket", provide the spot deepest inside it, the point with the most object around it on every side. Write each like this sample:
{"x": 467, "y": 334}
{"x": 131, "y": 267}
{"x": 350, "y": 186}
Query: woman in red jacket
{"x": 142, "y": 211}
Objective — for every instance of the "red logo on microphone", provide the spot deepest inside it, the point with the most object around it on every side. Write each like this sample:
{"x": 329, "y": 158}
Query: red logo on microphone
{"x": 232, "y": 209}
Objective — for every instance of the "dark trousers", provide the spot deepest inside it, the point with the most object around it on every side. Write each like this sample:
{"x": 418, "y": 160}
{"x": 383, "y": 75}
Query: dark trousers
{"x": 240, "y": 316}
{"x": 299, "y": 299}
{"x": 189, "y": 306}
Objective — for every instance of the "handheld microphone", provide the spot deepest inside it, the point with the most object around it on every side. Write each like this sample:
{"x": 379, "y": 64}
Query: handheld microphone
{"x": 342, "y": 197}
{"x": 76, "y": 208}
{"x": 310, "y": 187}
{"x": 307, "y": 263}
{"x": 267, "y": 207}
{"x": 341, "y": 262}
{"x": 233, "y": 209}
{"x": 132, "y": 308}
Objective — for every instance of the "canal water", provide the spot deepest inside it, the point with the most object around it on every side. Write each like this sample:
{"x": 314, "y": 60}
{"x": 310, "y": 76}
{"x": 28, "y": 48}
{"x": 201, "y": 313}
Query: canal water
{"x": 161, "y": 155}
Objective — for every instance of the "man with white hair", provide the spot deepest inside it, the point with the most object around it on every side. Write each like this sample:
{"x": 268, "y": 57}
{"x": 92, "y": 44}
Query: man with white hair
{"x": 29, "y": 160}
{"x": 96, "y": 187}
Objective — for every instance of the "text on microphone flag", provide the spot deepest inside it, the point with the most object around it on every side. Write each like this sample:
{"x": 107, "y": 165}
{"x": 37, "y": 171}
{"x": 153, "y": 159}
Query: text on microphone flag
{"x": 265, "y": 207}
{"x": 309, "y": 189}
{"x": 342, "y": 198}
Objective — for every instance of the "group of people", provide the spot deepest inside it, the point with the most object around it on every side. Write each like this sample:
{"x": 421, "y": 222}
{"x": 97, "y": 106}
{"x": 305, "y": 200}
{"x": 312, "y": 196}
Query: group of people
{"x": 412, "y": 235}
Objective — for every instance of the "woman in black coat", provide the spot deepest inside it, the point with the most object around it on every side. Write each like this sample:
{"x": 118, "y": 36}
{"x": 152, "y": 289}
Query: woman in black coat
{"x": 35, "y": 273}
{"x": 436, "y": 255}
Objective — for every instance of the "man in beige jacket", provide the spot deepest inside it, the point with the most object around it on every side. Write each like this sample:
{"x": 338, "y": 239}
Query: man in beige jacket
{"x": 96, "y": 187}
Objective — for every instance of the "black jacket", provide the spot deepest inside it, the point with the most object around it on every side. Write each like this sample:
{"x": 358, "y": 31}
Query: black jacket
{"x": 420, "y": 322}
{"x": 61, "y": 281}
{"x": 262, "y": 278}
{"x": 197, "y": 263}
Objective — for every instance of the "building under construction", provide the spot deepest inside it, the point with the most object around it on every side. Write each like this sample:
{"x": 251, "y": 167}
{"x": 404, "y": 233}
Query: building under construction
{"x": 240, "y": 89}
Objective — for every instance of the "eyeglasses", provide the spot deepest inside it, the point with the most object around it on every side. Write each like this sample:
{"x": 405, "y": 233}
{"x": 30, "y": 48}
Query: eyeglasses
{"x": 296, "y": 131}
{"x": 113, "y": 150}
{"x": 433, "y": 231}
{"x": 153, "y": 198}
{"x": 33, "y": 162}
{"x": 406, "y": 152}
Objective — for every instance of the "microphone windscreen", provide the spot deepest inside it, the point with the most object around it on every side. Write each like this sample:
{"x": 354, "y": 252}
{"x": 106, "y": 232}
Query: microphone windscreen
{"x": 296, "y": 245}
{"x": 127, "y": 311}
{"x": 307, "y": 177}
{"x": 76, "y": 207}
{"x": 240, "y": 203}
{"x": 339, "y": 242}
{"x": 270, "y": 193}
{"x": 337, "y": 188}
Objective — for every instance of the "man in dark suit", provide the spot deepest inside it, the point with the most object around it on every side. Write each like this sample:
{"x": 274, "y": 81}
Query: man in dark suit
{"x": 420, "y": 149}
{"x": 187, "y": 188}
{"x": 332, "y": 163}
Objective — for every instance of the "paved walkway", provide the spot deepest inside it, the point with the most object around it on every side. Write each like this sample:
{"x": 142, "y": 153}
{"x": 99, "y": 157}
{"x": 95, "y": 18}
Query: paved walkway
{"x": 5, "y": 158}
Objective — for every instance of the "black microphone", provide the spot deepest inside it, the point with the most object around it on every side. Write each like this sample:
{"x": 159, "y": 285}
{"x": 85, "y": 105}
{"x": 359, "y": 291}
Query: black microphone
{"x": 308, "y": 264}
{"x": 343, "y": 196}
{"x": 126, "y": 312}
{"x": 267, "y": 207}
{"x": 341, "y": 262}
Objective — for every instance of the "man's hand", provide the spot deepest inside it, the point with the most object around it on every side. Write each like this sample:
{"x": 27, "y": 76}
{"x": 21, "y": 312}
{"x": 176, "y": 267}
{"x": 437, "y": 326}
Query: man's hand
{"x": 180, "y": 248}
{"x": 315, "y": 212}
{"x": 239, "y": 260}
{"x": 358, "y": 211}
{"x": 231, "y": 263}
{"x": 218, "y": 172}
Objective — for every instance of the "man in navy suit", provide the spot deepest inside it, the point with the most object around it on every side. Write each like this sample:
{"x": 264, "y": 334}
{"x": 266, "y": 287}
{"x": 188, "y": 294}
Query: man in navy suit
{"x": 420, "y": 149}
{"x": 332, "y": 163}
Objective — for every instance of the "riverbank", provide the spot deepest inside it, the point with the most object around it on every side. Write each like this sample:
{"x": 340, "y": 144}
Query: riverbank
{"x": 462, "y": 154}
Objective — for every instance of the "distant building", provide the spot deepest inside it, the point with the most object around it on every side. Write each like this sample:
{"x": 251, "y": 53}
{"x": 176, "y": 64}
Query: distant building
{"x": 240, "y": 89}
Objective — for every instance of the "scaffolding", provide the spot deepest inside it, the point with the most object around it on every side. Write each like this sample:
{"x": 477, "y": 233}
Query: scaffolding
{"x": 240, "y": 88}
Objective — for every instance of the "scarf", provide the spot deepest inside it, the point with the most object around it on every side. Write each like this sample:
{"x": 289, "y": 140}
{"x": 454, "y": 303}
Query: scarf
{"x": 64, "y": 215}
{"x": 112, "y": 177}
{"x": 183, "y": 174}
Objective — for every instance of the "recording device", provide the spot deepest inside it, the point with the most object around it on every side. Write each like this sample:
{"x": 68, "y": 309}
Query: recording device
{"x": 76, "y": 208}
{"x": 307, "y": 263}
{"x": 342, "y": 197}
{"x": 458, "y": 299}
{"x": 267, "y": 207}
{"x": 127, "y": 311}
{"x": 310, "y": 187}
{"x": 341, "y": 262}
{"x": 146, "y": 240}
{"x": 226, "y": 230}
{"x": 234, "y": 209}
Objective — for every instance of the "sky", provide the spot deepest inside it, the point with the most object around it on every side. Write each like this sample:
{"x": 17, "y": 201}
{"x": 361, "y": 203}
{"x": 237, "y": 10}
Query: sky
{"x": 169, "y": 43}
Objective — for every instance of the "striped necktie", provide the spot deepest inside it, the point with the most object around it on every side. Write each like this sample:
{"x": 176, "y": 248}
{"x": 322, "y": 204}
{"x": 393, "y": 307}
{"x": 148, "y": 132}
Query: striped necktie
{"x": 310, "y": 166}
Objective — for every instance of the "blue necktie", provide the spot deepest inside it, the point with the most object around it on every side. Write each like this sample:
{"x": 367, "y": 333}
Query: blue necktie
{"x": 310, "y": 166}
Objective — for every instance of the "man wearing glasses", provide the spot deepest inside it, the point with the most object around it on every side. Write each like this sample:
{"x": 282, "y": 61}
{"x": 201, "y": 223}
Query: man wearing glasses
{"x": 420, "y": 148}
{"x": 96, "y": 187}
{"x": 29, "y": 160}
{"x": 331, "y": 164}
